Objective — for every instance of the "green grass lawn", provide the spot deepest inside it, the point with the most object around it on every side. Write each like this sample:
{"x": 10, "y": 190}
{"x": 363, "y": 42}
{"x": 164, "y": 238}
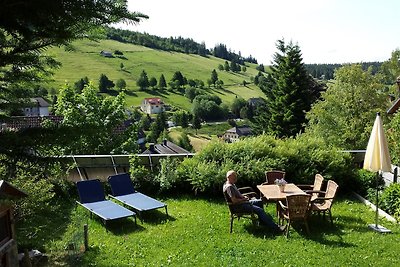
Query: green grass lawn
{"x": 197, "y": 234}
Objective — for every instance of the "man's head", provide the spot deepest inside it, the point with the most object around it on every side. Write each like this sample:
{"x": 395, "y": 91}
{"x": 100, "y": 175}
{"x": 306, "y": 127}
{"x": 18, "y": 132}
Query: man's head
{"x": 231, "y": 176}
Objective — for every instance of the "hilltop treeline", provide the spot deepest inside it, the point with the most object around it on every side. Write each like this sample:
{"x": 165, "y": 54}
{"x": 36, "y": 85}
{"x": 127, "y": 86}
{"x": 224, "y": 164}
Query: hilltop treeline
{"x": 178, "y": 44}
{"x": 325, "y": 71}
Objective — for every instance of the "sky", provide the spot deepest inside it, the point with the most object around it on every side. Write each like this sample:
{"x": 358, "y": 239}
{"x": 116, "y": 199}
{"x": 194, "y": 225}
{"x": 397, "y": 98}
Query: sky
{"x": 327, "y": 31}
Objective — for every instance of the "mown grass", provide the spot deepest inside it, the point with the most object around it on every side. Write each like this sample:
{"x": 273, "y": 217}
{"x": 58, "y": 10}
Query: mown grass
{"x": 197, "y": 234}
{"x": 86, "y": 60}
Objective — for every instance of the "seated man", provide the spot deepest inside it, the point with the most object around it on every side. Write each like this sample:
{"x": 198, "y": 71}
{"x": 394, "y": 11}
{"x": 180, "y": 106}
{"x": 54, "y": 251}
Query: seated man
{"x": 248, "y": 204}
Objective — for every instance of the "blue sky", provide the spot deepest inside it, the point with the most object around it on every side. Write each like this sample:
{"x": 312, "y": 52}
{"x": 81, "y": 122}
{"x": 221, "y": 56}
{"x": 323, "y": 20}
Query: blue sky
{"x": 335, "y": 31}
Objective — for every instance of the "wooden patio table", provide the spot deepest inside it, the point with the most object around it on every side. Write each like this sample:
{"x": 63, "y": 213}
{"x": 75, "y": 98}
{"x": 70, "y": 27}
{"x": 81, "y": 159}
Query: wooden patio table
{"x": 271, "y": 192}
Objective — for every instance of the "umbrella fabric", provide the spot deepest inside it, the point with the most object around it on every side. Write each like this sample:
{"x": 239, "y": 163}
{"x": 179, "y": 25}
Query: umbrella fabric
{"x": 377, "y": 156}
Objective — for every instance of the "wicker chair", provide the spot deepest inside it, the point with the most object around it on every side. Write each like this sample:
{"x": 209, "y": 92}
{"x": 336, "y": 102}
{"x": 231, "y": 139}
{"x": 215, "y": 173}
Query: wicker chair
{"x": 236, "y": 210}
{"x": 324, "y": 204}
{"x": 296, "y": 209}
{"x": 271, "y": 176}
{"x": 314, "y": 189}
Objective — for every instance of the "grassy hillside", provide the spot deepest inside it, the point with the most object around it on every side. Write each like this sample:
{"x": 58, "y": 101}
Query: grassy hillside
{"x": 87, "y": 61}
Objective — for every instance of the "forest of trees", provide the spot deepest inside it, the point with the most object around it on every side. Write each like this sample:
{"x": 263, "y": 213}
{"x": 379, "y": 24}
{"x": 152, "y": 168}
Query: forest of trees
{"x": 177, "y": 44}
{"x": 326, "y": 71}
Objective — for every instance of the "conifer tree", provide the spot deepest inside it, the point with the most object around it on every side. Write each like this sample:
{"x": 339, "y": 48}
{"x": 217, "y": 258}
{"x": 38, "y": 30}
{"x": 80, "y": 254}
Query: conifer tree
{"x": 287, "y": 88}
{"x": 162, "y": 83}
{"x": 143, "y": 81}
{"x": 214, "y": 77}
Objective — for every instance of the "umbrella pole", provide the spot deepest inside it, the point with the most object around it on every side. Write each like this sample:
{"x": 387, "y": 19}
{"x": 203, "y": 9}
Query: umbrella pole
{"x": 377, "y": 198}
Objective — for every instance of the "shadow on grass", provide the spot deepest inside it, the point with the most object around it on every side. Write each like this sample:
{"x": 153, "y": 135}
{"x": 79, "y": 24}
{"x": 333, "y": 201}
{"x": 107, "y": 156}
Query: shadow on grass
{"x": 124, "y": 226}
{"x": 154, "y": 217}
{"x": 34, "y": 231}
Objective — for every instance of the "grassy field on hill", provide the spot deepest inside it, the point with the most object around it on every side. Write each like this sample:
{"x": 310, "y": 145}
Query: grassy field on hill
{"x": 86, "y": 60}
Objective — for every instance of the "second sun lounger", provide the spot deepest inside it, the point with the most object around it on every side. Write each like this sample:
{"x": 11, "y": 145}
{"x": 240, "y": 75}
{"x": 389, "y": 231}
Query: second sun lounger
{"x": 123, "y": 190}
{"x": 92, "y": 198}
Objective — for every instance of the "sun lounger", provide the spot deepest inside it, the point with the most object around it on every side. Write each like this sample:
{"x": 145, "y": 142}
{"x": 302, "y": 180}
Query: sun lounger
{"x": 123, "y": 190}
{"x": 92, "y": 198}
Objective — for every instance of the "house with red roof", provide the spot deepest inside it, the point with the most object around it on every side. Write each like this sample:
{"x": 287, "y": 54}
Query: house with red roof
{"x": 152, "y": 105}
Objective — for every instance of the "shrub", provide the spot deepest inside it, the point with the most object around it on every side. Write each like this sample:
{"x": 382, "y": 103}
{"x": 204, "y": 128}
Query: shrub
{"x": 300, "y": 157}
{"x": 390, "y": 199}
{"x": 365, "y": 183}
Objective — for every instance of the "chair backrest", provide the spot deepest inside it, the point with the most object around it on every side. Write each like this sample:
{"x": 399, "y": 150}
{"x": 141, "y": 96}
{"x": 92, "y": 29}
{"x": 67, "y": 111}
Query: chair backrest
{"x": 298, "y": 206}
{"x": 271, "y": 176}
{"x": 319, "y": 179}
{"x": 331, "y": 189}
{"x": 121, "y": 184}
{"x": 90, "y": 191}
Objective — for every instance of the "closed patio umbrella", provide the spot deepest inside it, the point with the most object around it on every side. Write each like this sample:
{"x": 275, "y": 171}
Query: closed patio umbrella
{"x": 377, "y": 159}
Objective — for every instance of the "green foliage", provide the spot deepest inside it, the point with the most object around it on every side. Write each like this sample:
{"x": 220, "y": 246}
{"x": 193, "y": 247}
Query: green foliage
{"x": 27, "y": 28}
{"x": 393, "y": 135}
{"x": 92, "y": 118}
{"x": 364, "y": 181}
{"x": 121, "y": 84}
{"x": 162, "y": 83}
{"x": 143, "y": 81}
{"x": 214, "y": 77}
{"x": 141, "y": 176}
{"x": 105, "y": 84}
{"x": 390, "y": 200}
{"x": 153, "y": 82}
{"x": 184, "y": 142}
{"x": 301, "y": 158}
{"x": 168, "y": 176}
{"x": 345, "y": 115}
{"x": 237, "y": 105}
{"x": 287, "y": 88}
{"x": 181, "y": 118}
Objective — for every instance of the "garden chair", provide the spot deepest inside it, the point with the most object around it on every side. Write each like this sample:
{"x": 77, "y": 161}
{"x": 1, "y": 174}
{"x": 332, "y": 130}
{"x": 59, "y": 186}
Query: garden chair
{"x": 92, "y": 198}
{"x": 324, "y": 204}
{"x": 271, "y": 176}
{"x": 236, "y": 211}
{"x": 123, "y": 190}
{"x": 295, "y": 209}
{"x": 314, "y": 189}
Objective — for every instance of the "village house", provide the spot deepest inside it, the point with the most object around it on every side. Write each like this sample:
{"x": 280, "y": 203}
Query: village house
{"x": 166, "y": 147}
{"x": 37, "y": 107}
{"x": 152, "y": 105}
{"x": 106, "y": 54}
{"x": 235, "y": 133}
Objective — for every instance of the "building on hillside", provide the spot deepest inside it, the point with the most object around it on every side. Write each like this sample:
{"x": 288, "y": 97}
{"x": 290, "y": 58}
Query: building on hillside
{"x": 37, "y": 107}
{"x": 235, "y": 133}
{"x": 166, "y": 147}
{"x": 255, "y": 102}
{"x": 106, "y": 54}
{"x": 152, "y": 105}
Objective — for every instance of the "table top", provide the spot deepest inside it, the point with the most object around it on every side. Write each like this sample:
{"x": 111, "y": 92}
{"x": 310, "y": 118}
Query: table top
{"x": 272, "y": 191}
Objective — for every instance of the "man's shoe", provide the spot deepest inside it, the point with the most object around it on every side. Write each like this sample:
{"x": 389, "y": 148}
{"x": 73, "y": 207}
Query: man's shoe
{"x": 282, "y": 228}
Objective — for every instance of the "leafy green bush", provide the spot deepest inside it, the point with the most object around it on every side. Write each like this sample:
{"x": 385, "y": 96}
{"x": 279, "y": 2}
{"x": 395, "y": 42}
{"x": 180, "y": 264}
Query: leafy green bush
{"x": 300, "y": 157}
{"x": 365, "y": 183}
{"x": 390, "y": 199}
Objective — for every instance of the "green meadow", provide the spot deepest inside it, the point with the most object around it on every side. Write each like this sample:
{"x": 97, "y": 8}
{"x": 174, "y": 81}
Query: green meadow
{"x": 85, "y": 60}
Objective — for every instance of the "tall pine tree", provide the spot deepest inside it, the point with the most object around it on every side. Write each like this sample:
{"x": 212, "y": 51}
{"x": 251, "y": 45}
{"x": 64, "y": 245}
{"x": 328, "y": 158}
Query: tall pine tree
{"x": 287, "y": 88}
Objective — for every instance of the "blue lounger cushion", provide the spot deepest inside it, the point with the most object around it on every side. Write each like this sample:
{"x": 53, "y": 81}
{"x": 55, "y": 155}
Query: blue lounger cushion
{"x": 123, "y": 190}
{"x": 92, "y": 197}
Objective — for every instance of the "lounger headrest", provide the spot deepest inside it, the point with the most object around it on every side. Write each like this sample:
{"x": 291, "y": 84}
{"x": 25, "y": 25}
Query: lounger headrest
{"x": 90, "y": 191}
{"x": 121, "y": 184}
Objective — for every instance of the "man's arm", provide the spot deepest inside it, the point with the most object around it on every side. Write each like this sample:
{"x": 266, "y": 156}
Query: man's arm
{"x": 236, "y": 196}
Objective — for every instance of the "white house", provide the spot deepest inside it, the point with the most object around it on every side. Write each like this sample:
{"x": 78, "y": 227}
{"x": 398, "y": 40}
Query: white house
{"x": 152, "y": 105}
{"x": 235, "y": 133}
{"x": 38, "y": 107}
